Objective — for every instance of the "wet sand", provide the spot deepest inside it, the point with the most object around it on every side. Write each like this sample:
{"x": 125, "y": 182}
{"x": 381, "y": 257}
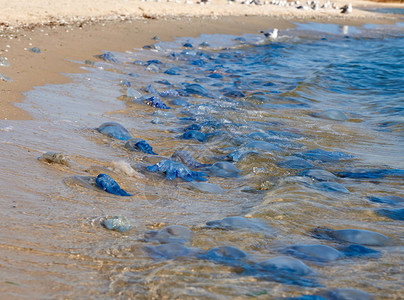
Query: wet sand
{"x": 45, "y": 233}
{"x": 73, "y": 30}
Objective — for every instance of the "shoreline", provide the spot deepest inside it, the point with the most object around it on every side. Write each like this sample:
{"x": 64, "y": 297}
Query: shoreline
{"x": 331, "y": 101}
{"x": 63, "y": 41}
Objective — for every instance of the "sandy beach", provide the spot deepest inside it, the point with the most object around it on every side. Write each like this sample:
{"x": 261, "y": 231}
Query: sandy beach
{"x": 331, "y": 100}
{"x": 73, "y": 30}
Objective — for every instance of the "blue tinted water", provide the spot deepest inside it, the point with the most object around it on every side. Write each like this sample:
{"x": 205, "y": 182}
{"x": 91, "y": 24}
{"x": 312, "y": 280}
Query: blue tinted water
{"x": 387, "y": 10}
{"x": 317, "y": 87}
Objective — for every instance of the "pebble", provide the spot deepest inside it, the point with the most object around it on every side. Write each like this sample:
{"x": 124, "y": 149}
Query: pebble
{"x": 4, "y": 62}
{"x": 35, "y": 50}
{"x": 117, "y": 223}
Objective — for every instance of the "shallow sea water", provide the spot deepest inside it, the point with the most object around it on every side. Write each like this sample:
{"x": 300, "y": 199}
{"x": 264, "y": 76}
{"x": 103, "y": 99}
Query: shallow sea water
{"x": 54, "y": 246}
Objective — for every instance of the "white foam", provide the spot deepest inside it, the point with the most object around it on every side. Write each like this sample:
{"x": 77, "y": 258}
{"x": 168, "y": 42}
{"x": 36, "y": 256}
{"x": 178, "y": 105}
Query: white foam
{"x": 7, "y": 128}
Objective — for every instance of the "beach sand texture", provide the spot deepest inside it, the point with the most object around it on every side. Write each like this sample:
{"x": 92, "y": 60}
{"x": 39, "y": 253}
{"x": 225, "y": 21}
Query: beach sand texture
{"x": 39, "y": 11}
{"x": 76, "y": 30}
{"x": 42, "y": 229}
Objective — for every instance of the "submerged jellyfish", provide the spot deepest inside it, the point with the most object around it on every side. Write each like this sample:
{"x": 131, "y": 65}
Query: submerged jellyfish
{"x": 388, "y": 199}
{"x": 135, "y": 144}
{"x": 107, "y": 56}
{"x": 331, "y": 187}
{"x": 336, "y": 294}
{"x": 325, "y": 156}
{"x": 359, "y": 251}
{"x": 283, "y": 269}
{"x": 194, "y": 135}
{"x": 294, "y": 162}
{"x": 286, "y": 265}
{"x": 197, "y": 89}
{"x": 371, "y": 174}
{"x": 180, "y": 102}
{"x": 115, "y": 130}
{"x": 175, "y": 169}
{"x": 345, "y": 294}
{"x": 320, "y": 175}
{"x": 186, "y": 158}
{"x": 227, "y": 255}
{"x": 332, "y": 114}
{"x": 392, "y": 213}
{"x": 170, "y": 251}
{"x": 240, "y": 153}
{"x": 224, "y": 169}
{"x": 173, "y": 71}
{"x": 237, "y": 223}
{"x": 156, "y": 102}
{"x": 320, "y": 253}
{"x": 262, "y": 145}
{"x": 170, "y": 234}
{"x": 355, "y": 236}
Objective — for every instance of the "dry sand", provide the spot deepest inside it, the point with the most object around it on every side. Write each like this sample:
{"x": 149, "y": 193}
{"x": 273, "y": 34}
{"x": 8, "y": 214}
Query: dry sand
{"x": 76, "y": 30}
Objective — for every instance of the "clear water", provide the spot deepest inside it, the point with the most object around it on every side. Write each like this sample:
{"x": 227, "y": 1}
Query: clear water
{"x": 53, "y": 244}
{"x": 387, "y": 10}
